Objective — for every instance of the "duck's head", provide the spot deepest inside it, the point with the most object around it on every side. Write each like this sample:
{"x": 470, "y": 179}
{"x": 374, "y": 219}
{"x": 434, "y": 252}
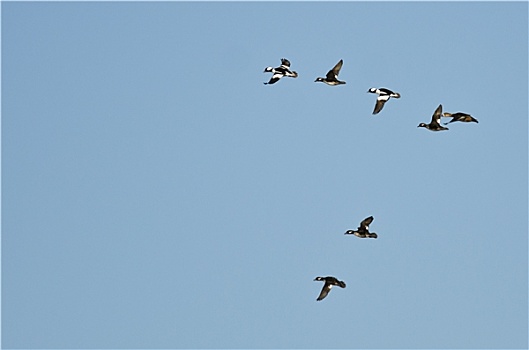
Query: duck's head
{"x": 318, "y": 79}
{"x": 422, "y": 125}
{"x": 268, "y": 69}
{"x": 349, "y": 232}
{"x": 372, "y": 90}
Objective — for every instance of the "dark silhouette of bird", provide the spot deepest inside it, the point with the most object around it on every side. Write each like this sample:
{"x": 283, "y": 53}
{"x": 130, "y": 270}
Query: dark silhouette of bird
{"x": 332, "y": 75}
{"x": 460, "y": 117}
{"x": 363, "y": 230}
{"x": 434, "y": 124}
{"x": 329, "y": 283}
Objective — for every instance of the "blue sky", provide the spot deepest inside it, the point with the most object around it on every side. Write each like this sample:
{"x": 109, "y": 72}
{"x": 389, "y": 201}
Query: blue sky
{"x": 156, "y": 194}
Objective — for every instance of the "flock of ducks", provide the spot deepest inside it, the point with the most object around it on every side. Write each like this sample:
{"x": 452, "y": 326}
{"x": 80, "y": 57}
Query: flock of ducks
{"x": 383, "y": 96}
{"x": 361, "y": 232}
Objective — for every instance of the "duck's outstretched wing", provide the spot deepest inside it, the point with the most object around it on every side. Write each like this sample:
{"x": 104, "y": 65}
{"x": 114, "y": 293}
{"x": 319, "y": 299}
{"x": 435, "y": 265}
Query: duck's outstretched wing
{"x": 333, "y": 73}
{"x": 364, "y": 225}
{"x": 381, "y": 99}
{"x": 324, "y": 291}
{"x": 285, "y": 62}
{"x": 274, "y": 79}
{"x": 436, "y": 117}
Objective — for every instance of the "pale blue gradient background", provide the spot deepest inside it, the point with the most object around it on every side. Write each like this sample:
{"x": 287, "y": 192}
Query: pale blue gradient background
{"x": 155, "y": 194}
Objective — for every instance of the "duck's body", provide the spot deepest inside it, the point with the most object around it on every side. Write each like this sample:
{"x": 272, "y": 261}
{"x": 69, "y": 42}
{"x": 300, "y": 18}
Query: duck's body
{"x": 383, "y": 96}
{"x": 279, "y": 72}
{"x": 329, "y": 282}
{"x": 363, "y": 230}
{"x": 434, "y": 125}
{"x": 460, "y": 117}
{"x": 332, "y": 76}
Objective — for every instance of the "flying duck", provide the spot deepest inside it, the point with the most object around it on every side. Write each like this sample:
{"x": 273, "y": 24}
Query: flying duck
{"x": 459, "y": 117}
{"x": 434, "y": 124}
{"x": 332, "y": 76}
{"x": 363, "y": 230}
{"x": 383, "y": 95}
{"x": 329, "y": 282}
{"x": 279, "y": 72}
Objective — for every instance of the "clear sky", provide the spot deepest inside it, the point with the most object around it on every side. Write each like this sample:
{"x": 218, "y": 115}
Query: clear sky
{"x": 156, "y": 194}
